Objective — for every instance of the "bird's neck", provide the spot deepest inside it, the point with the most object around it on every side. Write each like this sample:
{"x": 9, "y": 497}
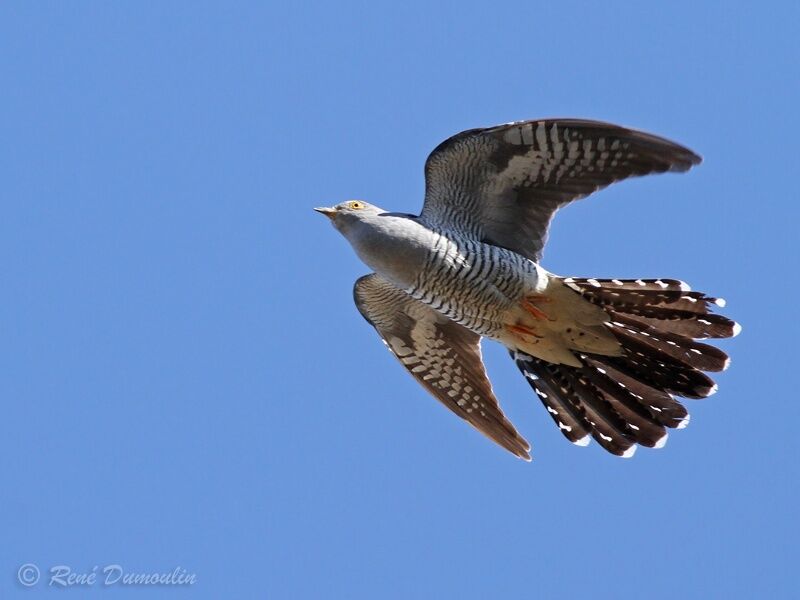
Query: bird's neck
{"x": 395, "y": 247}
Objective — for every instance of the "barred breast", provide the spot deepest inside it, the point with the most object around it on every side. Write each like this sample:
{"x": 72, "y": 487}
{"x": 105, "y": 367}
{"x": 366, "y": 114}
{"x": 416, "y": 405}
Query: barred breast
{"x": 472, "y": 283}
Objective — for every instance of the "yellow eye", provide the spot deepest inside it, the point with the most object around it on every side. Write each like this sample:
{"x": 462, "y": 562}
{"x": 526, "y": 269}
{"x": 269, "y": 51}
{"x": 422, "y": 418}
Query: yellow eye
{"x": 355, "y": 205}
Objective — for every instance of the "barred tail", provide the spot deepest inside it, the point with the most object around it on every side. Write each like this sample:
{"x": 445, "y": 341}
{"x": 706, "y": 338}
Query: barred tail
{"x": 622, "y": 401}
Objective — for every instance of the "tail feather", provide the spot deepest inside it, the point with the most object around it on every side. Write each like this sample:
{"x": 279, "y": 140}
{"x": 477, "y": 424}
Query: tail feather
{"x": 685, "y": 323}
{"x": 569, "y": 417}
{"x": 695, "y": 302}
{"x": 691, "y": 353}
{"x": 628, "y": 291}
{"x": 622, "y": 401}
{"x": 647, "y": 428}
{"x": 672, "y": 379}
{"x": 666, "y": 304}
{"x": 654, "y": 292}
{"x": 566, "y": 394}
{"x": 662, "y": 406}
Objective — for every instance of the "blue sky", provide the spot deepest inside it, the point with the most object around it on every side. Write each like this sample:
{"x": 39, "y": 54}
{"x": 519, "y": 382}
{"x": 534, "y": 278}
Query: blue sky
{"x": 187, "y": 383}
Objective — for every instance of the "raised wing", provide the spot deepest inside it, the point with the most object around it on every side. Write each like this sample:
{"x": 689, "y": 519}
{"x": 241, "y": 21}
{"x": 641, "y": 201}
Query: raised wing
{"x": 502, "y": 185}
{"x": 442, "y": 355}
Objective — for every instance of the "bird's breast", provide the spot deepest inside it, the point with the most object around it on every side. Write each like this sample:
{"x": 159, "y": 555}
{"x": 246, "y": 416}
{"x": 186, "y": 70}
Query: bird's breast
{"x": 471, "y": 282}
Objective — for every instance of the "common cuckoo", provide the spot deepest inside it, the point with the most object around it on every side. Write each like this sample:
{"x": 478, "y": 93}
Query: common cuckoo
{"x": 607, "y": 357}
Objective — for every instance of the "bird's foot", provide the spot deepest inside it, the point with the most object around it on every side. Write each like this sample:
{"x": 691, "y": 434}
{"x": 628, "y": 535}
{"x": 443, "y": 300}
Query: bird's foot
{"x": 536, "y": 312}
{"x": 521, "y": 330}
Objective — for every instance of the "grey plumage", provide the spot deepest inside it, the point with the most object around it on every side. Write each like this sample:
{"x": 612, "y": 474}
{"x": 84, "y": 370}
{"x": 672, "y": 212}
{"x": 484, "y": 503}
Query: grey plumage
{"x": 604, "y": 356}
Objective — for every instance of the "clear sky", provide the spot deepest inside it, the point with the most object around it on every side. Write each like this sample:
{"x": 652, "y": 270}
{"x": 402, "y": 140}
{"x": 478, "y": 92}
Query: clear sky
{"x": 187, "y": 383}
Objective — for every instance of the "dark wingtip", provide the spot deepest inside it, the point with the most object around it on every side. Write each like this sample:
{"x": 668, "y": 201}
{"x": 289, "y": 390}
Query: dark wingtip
{"x": 686, "y": 160}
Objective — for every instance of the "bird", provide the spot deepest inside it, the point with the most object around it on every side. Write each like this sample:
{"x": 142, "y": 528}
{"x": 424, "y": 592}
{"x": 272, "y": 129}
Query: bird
{"x": 608, "y": 358}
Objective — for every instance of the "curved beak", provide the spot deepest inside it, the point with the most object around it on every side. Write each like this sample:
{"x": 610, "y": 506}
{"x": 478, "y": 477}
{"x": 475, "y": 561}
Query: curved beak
{"x": 328, "y": 212}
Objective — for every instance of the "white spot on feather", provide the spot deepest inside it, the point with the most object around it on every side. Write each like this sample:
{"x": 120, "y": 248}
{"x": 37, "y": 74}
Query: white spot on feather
{"x": 399, "y": 346}
{"x": 629, "y": 452}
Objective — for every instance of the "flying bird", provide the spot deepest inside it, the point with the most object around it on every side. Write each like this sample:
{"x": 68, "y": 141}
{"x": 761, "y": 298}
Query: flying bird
{"x": 607, "y": 357}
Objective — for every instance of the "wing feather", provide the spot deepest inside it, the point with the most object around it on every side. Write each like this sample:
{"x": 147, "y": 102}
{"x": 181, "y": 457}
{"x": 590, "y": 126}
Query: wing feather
{"x": 442, "y": 355}
{"x": 502, "y": 185}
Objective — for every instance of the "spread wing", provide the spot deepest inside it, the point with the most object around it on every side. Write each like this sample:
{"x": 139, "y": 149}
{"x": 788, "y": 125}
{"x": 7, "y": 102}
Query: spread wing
{"x": 502, "y": 185}
{"x": 442, "y": 355}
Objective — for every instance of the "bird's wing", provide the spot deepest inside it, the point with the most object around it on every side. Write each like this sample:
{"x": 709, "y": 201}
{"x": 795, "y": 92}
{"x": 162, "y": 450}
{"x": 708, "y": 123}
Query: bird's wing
{"x": 442, "y": 355}
{"x": 502, "y": 185}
